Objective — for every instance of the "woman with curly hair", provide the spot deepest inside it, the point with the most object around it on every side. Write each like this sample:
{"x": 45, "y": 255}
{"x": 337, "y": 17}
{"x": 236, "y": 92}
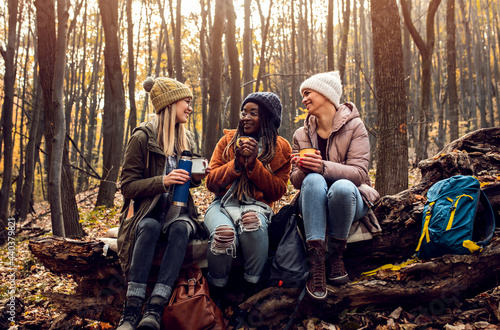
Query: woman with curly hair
{"x": 250, "y": 170}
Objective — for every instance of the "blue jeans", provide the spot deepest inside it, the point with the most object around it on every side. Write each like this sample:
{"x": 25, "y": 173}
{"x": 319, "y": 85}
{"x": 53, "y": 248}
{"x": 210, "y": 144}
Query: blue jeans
{"x": 253, "y": 240}
{"x": 335, "y": 208}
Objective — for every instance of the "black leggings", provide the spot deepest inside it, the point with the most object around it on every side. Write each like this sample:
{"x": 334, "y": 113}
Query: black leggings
{"x": 148, "y": 235}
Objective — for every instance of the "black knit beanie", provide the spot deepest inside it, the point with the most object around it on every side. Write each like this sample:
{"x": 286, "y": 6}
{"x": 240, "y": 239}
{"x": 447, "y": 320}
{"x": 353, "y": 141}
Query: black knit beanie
{"x": 269, "y": 102}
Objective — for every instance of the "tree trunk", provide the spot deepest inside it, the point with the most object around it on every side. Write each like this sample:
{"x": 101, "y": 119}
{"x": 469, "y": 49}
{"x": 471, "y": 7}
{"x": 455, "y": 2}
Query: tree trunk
{"x": 177, "y": 41}
{"x": 452, "y": 69}
{"x": 204, "y": 75}
{"x": 215, "y": 87}
{"x": 54, "y": 122}
{"x": 7, "y": 110}
{"x": 84, "y": 92}
{"x": 96, "y": 64}
{"x": 262, "y": 60}
{"x": 159, "y": 43}
{"x": 329, "y": 38}
{"x": 392, "y": 173}
{"x": 345, "y": 34}
{"x": 426, "y": 49}
{"x": 114, "y": 105}
{"x": 471, "y": 109}
{"x": 234, "y": 112}
{"x": 132, "y": 117}
{"x": 479, "y": 70}
{"x": 247, "y": 50}
{"x": 35, "y": 137}
{"x": 488, "y": 49}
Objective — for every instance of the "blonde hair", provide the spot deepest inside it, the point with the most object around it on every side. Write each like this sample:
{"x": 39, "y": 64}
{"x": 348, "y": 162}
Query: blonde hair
{"x": 171, "y": 136}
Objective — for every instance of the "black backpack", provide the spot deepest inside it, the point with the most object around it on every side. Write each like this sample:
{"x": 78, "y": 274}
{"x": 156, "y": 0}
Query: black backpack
{"x": 286, "y": 266}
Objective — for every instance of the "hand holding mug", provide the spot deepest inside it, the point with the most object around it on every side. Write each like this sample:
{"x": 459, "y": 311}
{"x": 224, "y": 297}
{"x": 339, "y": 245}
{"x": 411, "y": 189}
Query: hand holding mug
{"x": 309, "y": 160}
{"x": 200, "y": 168}
{"x": 246, "y": 151}
{"x": 201, "y": 176}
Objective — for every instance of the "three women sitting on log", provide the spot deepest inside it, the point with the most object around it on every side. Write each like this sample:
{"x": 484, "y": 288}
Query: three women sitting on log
{"x": 249, "y": 170}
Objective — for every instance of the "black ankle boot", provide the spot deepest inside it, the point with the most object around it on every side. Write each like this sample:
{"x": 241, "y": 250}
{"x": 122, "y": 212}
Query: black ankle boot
{"x": 152, "y": 314}
{"x": 217, "y": 295}
{"x": 132, "y": 309}
{"x": 249, "y": 289}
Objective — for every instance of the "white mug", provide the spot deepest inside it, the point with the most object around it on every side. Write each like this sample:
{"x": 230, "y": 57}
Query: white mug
{"x": 199, "y": 165}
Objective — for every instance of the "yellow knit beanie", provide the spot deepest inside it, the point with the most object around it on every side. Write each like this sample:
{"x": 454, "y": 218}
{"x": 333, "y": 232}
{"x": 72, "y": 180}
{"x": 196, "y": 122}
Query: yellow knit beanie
{"x": 165, "y": 91}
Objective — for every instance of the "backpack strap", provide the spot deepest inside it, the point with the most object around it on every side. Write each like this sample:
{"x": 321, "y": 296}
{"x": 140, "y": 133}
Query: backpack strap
{"x": 299, "y": 300}
{"x": 490, "y": 219}
{"x": 425, "y": 229}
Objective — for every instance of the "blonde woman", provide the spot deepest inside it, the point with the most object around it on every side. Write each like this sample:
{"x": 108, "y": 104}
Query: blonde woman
{"x": 148, "y": 176}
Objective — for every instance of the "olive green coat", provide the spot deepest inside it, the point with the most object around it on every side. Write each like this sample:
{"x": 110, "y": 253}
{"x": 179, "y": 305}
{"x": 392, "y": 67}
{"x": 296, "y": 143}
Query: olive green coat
{"x": 142, "y": 186}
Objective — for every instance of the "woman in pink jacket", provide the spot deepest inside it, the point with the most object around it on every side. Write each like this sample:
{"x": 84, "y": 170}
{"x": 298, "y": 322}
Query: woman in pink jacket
{"x": 335, "y": 188}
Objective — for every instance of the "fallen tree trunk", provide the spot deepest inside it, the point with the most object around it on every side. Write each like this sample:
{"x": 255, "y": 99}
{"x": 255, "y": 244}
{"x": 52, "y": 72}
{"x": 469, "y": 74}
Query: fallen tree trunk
{"x": 101, "y": 287}
{"x": 435, "y": 283}
{"x": 400, "y": 215}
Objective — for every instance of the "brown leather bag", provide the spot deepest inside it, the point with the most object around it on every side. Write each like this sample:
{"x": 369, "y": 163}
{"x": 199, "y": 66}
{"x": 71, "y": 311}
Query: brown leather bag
{"x": 190, "y": 306}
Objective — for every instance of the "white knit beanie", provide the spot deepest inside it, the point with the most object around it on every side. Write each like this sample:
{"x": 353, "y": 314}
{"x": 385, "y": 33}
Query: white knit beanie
{"x": 328, "y": 84}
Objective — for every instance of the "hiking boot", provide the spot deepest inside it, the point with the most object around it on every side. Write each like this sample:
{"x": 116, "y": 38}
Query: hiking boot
{"x": 316, "y": 284}
{"x": 249, "y": 289}
{"x": 217, "y": 295}
{"x": 132, "y": 309}
{"x": 335, "y": 264}
{"x": 152, "y": 316}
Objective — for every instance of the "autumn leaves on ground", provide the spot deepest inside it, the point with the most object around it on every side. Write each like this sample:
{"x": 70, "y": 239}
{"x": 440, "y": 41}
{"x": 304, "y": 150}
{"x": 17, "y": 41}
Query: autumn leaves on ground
{"x": 34, "y": 310}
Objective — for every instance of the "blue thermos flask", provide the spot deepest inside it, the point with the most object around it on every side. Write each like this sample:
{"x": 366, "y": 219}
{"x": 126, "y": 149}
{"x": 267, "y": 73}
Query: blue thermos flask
{"x": 181, "y": 192}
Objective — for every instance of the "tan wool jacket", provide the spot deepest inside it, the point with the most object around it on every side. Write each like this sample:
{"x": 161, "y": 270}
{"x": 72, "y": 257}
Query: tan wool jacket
{"x": 348, "y": 150}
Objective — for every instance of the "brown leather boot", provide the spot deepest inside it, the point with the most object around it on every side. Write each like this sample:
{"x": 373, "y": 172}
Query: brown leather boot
{"x": 316, "y": 284}
{"x": 335, "y": 264}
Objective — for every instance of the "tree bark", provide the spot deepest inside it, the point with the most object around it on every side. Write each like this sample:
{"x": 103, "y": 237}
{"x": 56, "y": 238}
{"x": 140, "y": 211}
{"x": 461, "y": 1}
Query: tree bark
{"x": 34, "y": 140}
{"x": 94, "y": 100}
{"x": 247, "y": 50}
{"x": 7, "y": 110}
{"x": 426, "y": 49}
{"x": 392, "y": 173}
{"x": 132, "y": 117}
{"x": 329, "y": 38}
{"x": 345, "y": 33}
{"x": 262, "y": 60}
{"x": 452, "y": 68}
{"x": 204, "y": 55}
{"x": 47, "y": 57}
{"x": 177, "y": 41}
{"x": 215, "y": 87}
{"x": 232, "y": 50}
{"x": 470, "y": 110}
{"x": 114, "y": 105}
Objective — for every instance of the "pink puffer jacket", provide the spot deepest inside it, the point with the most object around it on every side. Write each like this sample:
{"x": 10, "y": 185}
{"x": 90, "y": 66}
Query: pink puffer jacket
{"x": 348, "y": 150}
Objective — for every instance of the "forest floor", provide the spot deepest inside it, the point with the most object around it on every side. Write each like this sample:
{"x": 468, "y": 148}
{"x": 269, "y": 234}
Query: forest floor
{"x": 33, "y": 281}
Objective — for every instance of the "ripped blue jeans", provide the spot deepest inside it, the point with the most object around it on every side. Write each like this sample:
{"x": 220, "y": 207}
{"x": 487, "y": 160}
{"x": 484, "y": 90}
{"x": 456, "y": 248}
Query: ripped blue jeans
{"x": 226, "y": 237}
{"x": 336, "y": 207}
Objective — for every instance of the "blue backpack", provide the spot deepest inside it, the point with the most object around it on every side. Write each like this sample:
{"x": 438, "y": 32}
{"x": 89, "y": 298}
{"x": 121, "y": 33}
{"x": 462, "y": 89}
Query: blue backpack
{"x": 449, "y": 224}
